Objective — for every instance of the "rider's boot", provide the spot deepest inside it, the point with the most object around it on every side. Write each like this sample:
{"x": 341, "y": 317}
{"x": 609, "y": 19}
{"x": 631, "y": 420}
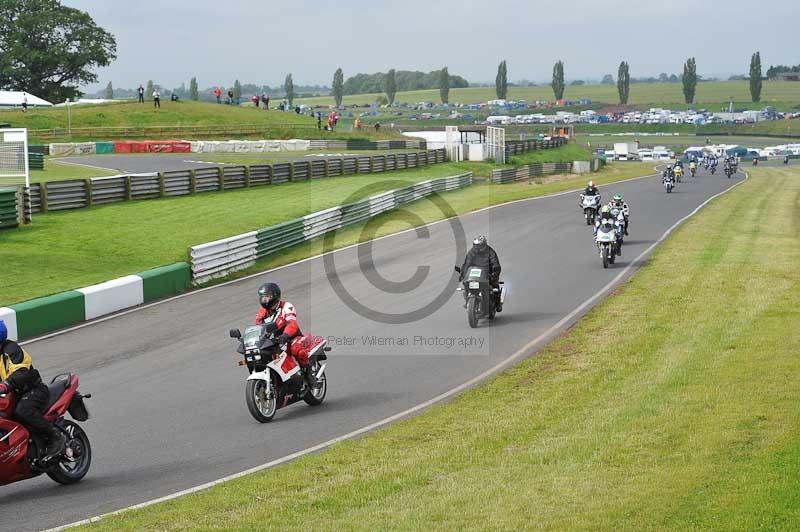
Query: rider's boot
{"x": 56, "y": 445}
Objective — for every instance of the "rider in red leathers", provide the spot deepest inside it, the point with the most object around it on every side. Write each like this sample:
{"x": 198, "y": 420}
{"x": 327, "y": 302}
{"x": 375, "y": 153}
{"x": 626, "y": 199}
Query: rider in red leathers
{"x": 282, "y": 321}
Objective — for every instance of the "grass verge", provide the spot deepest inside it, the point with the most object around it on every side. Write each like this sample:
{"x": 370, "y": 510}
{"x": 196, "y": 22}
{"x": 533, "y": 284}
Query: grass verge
{"x": 671, "y": 406}
{"x": 57, "y": 171}
{"x": 71, "y": 249}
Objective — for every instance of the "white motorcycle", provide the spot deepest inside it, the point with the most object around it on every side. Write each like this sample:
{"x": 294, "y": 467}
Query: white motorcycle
{"x": 590, "y": 205}
{"x": 607, "y": 238}
{"x": 669, "y": 184}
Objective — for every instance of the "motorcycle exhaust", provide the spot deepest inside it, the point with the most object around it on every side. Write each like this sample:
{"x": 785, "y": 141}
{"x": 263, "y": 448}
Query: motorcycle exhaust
{"x": 502, "y": 295}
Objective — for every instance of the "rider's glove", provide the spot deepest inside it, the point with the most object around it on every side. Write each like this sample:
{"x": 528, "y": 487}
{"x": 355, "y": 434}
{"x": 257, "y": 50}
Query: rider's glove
{"x": 283, "y": 339}
{"x": 271, "y": 328}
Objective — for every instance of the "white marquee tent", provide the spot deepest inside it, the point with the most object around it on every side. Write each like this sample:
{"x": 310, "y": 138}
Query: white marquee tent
{"x": 14, "y": 99}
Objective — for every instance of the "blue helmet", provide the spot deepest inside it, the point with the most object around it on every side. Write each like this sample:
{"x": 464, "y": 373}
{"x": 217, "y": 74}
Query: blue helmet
{"x": 3, "y": 332}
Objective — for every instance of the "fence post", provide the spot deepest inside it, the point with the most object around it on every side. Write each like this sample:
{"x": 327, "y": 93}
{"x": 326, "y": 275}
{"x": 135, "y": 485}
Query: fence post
{"x": 220, "y": 179}
{"x": 372, "y": 164}
{"x": 327, "y": 167}
{"x": 291, "y": 172}
{"x": 161, "y": 185}
{"x": 128, "y": 188}
{"x": 193, "y": 182}
{"x": 247, "y": 176}
{"x": 87, "y": 187}
{"x": 270, "y": 174}
{"x": 43, "y": 196}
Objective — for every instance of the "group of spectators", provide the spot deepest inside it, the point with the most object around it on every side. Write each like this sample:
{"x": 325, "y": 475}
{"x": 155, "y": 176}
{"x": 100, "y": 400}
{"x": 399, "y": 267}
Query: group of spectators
{"x": 156, "y": 96}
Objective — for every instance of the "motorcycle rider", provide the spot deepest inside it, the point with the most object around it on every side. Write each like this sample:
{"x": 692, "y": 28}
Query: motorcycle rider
{"x": 282, "y": 317}
{"x": 669, "y": 172}
{"x": 786, "y": 159}
{"x": 19, "y": 376}
{"x": 617, "y": 203}
{"x": 678, "y": 171}
{"x": 590, "y": 190}
{"x": 483, "y": 256}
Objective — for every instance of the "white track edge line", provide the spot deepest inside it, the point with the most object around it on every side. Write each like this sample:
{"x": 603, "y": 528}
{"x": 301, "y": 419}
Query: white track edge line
{"x": 524, "y": 350}
{"x": 301, "y": 261}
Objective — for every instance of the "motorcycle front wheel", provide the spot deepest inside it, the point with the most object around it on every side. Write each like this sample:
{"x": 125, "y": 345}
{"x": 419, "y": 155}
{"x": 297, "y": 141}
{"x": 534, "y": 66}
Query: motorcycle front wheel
{"x": 605, "y": 257}
{"x": 472, "y": 312}
{"x": 75, "y": 462}
{"x": 261, "y": 404}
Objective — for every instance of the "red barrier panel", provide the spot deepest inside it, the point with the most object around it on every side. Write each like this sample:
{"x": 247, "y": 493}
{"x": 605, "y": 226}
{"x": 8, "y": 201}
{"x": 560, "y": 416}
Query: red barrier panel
{"x": 152, "y": 146}
{"x": 122, "y": 147}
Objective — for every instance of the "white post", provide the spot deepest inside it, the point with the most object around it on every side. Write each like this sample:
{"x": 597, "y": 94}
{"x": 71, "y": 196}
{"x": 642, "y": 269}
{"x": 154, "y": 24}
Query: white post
{"x": 25, "y": 156}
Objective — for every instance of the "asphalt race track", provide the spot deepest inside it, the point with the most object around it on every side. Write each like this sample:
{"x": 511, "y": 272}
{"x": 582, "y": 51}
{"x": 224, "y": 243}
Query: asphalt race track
{"x": 144, "y": 163}
{"x": 168, "y": 409}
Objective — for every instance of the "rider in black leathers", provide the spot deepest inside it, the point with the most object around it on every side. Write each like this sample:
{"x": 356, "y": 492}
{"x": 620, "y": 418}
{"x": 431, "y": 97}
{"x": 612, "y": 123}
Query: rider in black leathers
{"x": 483, "y": 256}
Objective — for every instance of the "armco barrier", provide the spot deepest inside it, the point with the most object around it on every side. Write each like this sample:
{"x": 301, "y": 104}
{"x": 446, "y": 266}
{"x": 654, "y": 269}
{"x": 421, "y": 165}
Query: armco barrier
{"x": 517, "y": 147}
{"x": 9, "y": 208}
{"x": 76, "y": 194}
{"x": 219, "y": 258}
{"x": 531, "y": 171}
{"x": 39, "y": 316}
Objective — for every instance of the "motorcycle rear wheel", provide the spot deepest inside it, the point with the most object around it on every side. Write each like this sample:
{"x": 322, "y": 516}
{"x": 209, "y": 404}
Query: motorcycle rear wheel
{"x": 67, "y": 471}
{"x": 315, "y": 396}
{"x": 260, "y": 407}
{"x": 472, "y": 312}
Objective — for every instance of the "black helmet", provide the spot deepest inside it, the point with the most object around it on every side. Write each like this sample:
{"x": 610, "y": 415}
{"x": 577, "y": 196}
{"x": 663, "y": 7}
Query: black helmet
{"x": 269, "y": 295}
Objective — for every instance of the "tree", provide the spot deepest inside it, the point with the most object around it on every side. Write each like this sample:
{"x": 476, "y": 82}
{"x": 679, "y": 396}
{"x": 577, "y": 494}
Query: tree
{"x": 193, "y": 92}
{"x": 608, "y": 79}
{"x": 338, "y": 86}
{"x": 501, "y": 81}
{"x": 288, "y": 87}
{"x": 444, "y": 85}
{"x": 623, "y": 82}
{"x": 109, "y": 91}
{"x": 49, "y": 50}
{"x": 689, "y": 80}
{"x": 755, "y": 77}
{"x": 149, "y": 90}
{"x": 390, "y": 86}
{"x": 237, "y": 91}
{"x": 558, "y": 80}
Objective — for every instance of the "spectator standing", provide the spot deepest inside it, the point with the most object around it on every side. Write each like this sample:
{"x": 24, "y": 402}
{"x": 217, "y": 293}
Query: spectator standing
{"x": 140, "y": 91}
{"x": 218, "y": 94}
{"x": 377, "y": 126}
{"x": 265, "y": 101}
{"x": 24, "y": 102}
{"x": 297, "y": 109}
{"x": 266, "y": 105}
{"x": 230, "y": 96}
{"x": 156, "y": 98}
{"x": 357, "y": 123}
{"x": 319, "y": 120}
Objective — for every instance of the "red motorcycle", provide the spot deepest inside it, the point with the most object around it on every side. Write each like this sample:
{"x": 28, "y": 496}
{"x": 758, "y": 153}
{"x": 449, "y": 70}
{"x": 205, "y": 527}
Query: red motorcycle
{"x": 22, "y": 453}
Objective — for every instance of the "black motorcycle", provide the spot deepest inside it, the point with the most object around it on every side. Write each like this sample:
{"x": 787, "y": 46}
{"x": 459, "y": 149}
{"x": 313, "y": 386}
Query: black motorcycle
{"x": 276, "y": 380}
{"x": 480, "y": 295}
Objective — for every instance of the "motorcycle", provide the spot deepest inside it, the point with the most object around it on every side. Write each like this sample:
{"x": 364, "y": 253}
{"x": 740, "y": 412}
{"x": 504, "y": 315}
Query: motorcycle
{"x": 480, "y": 295}
{"x": 22, "y": 453}
{"x": 276, "y": 380}
{"x": 678, "y": 174}
{"x": 713, "y": 169}
{"x": 590, "y": 204}
{"x": 622, "y": 221}
{"x": 755, "y": 161}
{"x": 693, "y": 170}
{"x": 607, "y": 240}
{"x": 668, "y": 184}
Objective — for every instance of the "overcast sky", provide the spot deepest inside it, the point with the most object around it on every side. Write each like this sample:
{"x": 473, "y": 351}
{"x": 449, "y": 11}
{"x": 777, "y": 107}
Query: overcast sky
{"x": 257, "y": 41}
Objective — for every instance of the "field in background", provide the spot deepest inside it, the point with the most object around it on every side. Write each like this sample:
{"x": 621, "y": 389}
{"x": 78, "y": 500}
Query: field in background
{"x": 690, "y": 421}
{"x": 783, "y": 95}
{"x": 198, "y": 115}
